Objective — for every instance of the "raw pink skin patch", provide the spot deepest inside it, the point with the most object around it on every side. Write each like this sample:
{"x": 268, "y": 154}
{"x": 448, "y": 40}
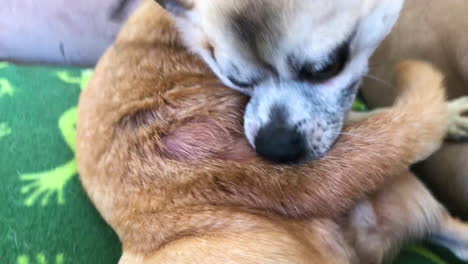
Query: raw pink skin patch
{"x": 205, "y": 139}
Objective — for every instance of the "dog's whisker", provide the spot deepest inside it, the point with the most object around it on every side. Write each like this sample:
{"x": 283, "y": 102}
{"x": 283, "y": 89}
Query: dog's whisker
{"x": 377, "y": 79}
{"x": 352, "y": 135}
{"x": 360, "y": 137}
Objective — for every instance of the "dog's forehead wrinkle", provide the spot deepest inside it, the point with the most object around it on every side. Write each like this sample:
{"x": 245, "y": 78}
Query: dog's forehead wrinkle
{"x": 256, "y": 25}
{"x": 321, "y": 35}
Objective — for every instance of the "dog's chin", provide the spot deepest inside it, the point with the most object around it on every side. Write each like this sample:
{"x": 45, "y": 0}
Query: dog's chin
{"x": 319, "y": 151}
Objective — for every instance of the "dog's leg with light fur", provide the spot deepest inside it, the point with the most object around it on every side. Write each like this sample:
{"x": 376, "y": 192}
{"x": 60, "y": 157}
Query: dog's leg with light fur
{"x": 458, "y": 123}
{"x": 404, "y": 211}
{"x": 457, "y": 127}
{"x": 453, "y": 234}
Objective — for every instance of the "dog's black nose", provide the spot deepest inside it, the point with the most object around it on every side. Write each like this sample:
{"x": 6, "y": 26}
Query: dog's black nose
{"x": 281, "y": 144}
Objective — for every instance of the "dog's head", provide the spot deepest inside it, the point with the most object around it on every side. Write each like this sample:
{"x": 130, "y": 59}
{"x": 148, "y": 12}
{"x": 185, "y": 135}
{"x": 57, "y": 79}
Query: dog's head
{"x": 301, "y": 61}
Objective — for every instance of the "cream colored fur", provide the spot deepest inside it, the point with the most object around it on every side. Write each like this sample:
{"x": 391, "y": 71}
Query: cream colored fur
{"x": 435, "y": 31}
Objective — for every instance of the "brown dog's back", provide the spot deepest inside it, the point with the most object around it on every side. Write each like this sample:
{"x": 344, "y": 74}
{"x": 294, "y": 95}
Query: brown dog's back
{"x": 162, "y": 155}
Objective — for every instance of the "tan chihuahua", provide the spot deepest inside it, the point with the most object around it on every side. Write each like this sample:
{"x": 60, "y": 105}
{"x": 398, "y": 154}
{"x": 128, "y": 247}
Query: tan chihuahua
{"x": 162, "y": 155}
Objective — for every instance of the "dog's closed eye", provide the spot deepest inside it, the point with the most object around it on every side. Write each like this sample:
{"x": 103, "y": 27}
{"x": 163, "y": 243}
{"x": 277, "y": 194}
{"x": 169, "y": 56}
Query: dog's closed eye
{"x": 244, "y": 84}
{"x": 321, "y": 71}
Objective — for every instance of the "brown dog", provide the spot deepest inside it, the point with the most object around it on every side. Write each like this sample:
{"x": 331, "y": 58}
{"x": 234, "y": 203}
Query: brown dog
{"x": 162, "y": 155}
{"x": 435, "y": 31}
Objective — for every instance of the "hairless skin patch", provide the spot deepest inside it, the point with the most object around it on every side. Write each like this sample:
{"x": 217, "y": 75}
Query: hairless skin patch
{"x": 204, "y": 138}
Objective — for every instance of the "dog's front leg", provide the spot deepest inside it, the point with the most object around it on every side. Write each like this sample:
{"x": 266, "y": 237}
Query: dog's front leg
{"x": 457, "y": 126}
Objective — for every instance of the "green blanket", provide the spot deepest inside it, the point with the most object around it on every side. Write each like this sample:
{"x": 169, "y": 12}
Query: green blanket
{"x": 45, "y": 216}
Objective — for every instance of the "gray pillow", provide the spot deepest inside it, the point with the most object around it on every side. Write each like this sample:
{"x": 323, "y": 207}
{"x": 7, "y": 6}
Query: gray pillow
{"x": 60, "y": 31}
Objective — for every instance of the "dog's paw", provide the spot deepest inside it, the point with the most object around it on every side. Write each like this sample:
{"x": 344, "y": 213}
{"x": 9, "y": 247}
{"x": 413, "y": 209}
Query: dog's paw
{"x": 458, "y": 123}
{"x": 457, "y": 245}
{"x": 461, "y": 253}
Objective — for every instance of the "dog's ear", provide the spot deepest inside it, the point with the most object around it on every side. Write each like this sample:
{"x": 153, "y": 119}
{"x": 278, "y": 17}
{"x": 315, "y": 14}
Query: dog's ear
{"x": 176, "y": 7}
{"x": 381, "y": 16}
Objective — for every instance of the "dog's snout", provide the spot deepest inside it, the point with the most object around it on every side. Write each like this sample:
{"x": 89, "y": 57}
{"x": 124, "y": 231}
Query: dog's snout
{"x": 280, "y": 144}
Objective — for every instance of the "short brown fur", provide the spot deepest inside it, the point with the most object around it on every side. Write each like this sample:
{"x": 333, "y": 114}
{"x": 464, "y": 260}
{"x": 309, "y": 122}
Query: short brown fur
{"x": 162, "y": 155}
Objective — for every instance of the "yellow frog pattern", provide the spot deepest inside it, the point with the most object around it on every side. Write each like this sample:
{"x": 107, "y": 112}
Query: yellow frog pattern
{"x": 40, "y": 259}
{"x": 6, "y": 89}
{"x": 40, "y": 187}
